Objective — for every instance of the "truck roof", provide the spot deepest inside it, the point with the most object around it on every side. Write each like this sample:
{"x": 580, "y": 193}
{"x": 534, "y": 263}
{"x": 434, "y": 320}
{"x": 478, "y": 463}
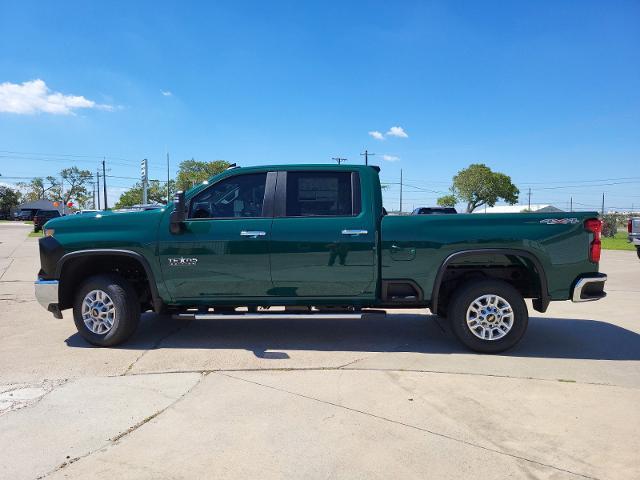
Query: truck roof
{"x": 306, "y": 166}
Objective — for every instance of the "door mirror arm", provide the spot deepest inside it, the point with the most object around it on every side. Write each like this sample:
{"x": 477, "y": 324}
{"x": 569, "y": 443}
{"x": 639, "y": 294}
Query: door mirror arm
{"x": 178, "y": 216}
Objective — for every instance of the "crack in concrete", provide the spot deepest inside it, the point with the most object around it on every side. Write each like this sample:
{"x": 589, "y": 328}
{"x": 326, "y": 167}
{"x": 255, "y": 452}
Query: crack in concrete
{"x": 9, "y": 403}
{"x": 415, "y": 427}
{"x": 113, "y": 441}
{"x": 156, "y": 344}
{"x": 7, "y": 268}
{"x": 401, "y": 370}
{"x": 373, "y": 355}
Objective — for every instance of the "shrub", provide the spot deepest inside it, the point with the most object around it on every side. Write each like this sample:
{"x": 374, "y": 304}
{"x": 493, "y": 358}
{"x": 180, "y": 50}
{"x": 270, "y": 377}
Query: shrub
{"x": 609, "y": 225}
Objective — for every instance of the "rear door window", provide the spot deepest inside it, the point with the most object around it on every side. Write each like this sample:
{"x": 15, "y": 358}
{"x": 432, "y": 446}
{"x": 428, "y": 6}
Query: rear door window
{"x": 321, "y": 194}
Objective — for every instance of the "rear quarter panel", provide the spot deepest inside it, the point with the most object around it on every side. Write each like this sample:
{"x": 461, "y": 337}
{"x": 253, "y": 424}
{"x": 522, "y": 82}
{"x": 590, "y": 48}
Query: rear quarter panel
{"x": 414, "y": 247}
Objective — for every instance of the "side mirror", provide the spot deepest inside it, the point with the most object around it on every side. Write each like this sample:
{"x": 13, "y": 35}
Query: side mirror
{"x": 178, "y": 216}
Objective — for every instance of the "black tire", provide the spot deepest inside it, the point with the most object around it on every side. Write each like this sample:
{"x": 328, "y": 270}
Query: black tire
{"x": 462, "y": 299}
{"x": 126, "y": 305}
{"x": 638, "y": 251}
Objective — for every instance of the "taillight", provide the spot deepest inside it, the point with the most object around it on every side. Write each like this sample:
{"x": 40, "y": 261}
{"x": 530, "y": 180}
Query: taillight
{"x": 630, "y": 226}
{"x": 594, "y": 226}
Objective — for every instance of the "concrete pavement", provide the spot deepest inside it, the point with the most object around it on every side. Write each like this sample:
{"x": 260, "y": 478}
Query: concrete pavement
{"x": 387, "y": 396}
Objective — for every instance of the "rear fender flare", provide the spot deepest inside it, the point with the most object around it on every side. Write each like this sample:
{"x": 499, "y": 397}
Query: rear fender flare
{"x": 540, "y": 304}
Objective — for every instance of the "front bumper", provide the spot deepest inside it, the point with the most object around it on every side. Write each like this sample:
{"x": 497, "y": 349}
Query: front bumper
{"x": 47, "y": 295}
{"x": 589, "y": 287}
{"x": 634, "y": 238}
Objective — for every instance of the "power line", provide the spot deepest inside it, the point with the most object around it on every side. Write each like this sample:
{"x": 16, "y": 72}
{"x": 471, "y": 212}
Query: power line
{"x": 75, "y": 155}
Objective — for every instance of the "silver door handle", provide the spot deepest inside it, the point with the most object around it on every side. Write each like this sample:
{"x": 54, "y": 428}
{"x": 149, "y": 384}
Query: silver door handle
{"x": 252, "y": 233}
{"x": 354, "y": 233}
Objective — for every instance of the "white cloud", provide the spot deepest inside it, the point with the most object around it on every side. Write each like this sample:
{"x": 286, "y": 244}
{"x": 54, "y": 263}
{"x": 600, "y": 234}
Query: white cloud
{"x": 35, "y": 97}
{"x": 390, "y": 158}
{"x": 397, "y": 132}
{"x": 166, "y": 93}
{"x": 377, "y": 135}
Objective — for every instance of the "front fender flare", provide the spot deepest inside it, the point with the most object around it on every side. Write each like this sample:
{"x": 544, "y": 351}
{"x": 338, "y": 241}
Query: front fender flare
{"x": 158, "y": 304}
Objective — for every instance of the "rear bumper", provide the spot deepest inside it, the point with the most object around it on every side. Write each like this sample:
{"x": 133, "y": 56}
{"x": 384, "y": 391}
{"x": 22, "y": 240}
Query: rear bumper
{"x": 589, "y": 287}
{"x": 47, "y": 296}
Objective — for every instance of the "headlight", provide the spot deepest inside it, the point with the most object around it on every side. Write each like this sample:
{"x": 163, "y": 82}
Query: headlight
{"x": 48, "y": 232}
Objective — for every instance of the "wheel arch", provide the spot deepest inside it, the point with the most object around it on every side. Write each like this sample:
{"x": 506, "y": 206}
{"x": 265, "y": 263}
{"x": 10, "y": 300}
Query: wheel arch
{"x": 540, "y": 303}
{"x": 66, "y": 272}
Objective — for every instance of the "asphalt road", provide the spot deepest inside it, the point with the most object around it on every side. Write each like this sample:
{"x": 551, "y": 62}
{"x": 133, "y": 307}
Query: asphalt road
{"x": 385, "y": 397}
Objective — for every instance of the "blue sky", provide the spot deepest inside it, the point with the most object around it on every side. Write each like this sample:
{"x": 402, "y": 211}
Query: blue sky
{"x": 547, "y": 92}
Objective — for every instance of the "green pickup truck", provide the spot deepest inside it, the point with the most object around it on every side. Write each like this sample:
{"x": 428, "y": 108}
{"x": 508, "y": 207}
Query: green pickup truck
{"x": 313, "y": 241}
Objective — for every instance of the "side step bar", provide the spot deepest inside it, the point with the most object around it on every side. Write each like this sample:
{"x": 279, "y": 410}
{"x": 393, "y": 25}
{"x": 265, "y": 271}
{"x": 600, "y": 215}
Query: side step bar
{"x": 268, "y": 316}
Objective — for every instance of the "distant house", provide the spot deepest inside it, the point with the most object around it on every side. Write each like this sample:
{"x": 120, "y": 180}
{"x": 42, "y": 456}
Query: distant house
{"x": 36, "y": 205}
{"x": 535, "y": 208}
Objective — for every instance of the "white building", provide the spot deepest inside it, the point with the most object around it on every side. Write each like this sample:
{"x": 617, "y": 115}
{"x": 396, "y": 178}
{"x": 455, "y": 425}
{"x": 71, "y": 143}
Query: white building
{"x": 535, "y": 207}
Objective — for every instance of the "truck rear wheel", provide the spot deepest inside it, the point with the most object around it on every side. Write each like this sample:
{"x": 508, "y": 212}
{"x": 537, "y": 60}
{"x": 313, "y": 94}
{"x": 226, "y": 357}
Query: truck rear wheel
{"x": 106, "y": 310}
{"x": 488, "y": 316}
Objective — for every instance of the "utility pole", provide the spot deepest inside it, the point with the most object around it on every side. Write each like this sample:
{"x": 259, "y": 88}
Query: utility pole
{"x": 98, "y": 183}
{"x": 366, "y": 156}
{"x": 104, "y": 183}
{"x": 400, "y": 191}
{"x": 168, "y": 177}
{"x": 529, "y": 199}
{"x": 571, "y": 205}
{"x": 62, "y": 194}
{"x": 145, "y": 184}
{"x": 339, "y": 160}
{"x": 602, "y": 212}
{"x": 94, "y": 195}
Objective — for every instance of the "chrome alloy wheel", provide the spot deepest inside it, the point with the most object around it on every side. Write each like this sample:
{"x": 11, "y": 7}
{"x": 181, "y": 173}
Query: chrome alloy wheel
{"x": 490, "y": 317}
{"x": 98, "y": 312}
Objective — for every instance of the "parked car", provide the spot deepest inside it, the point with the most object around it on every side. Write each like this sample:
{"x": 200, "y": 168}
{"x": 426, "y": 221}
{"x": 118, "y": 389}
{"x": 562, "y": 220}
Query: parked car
{"x": 434, "y": 211}
{"x": 633, "y": 229}
{"x": 314, "y": 238}
{"x": 140, "y": 208}
{"x": 43, "y": 216}
{"x": 25, "y": 215}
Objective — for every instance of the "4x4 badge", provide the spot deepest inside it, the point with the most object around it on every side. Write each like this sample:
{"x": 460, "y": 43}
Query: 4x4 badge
{"x": 180, "y": 262}
{"x": 559, "y": 221}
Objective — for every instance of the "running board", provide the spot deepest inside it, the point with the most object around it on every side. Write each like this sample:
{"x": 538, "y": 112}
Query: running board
{"x": 268, "y": 316}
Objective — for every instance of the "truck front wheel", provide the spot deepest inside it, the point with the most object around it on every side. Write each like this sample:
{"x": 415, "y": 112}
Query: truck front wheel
{"x": 638, "y": 251}
{"x": 106, "y": 310}
{"x": 488, "y": 316}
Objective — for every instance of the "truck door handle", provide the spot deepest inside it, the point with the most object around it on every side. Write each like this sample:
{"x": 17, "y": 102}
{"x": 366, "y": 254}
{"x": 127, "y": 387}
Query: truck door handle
{"x": 252, "y": 233}
{"x": 354, "y": 233}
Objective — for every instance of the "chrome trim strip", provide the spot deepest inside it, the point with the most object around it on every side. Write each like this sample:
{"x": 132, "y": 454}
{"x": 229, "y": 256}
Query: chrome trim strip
{"x": 354, "y": 232}
{"x": 583, "y": 282}
{"x": 46, "y": 292}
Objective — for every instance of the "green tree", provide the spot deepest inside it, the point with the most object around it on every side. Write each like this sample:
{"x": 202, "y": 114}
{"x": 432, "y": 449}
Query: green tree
{"x": 9, "y": 198}
{"x": 39, "y": 188}
{"x": 73, "y": 187}
{"x": 447, "y": 201}
{"x": 157, "y": 193}
{"x": 478, "y": 185}
{"x": 192, "y": 172}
